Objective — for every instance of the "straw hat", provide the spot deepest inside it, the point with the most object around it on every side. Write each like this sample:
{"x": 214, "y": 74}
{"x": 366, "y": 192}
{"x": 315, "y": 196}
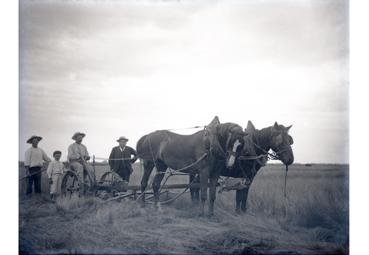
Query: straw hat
{"x": 122, "y": 138}
{"x": 34, "y": 136}
{"x": 78, "y": 133}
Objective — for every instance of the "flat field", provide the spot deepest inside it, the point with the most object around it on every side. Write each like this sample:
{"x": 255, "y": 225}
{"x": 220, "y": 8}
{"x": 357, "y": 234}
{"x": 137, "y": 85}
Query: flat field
{"x": 313, "y": 219}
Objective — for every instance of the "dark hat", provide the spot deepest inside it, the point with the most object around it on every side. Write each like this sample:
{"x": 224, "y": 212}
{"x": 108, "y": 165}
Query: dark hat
{"x": 122, "y": 138}
{"x": 76, "y": 134}
{"x": 34, "y": 136}
{"x": 57, "y": 152}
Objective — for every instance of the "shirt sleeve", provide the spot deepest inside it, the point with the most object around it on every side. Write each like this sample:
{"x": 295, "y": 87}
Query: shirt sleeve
{"x": 45, "y": 157}
{"x": 49, "y": 170}
{"x": 63, "y": 168}
{"x": 86, "y": 151}
{"x": 27, "y": 158}
{"x": 72, "y": 154}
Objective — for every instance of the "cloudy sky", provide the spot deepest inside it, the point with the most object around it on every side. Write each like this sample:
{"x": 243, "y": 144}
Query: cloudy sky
{"x": 112, "y": 68}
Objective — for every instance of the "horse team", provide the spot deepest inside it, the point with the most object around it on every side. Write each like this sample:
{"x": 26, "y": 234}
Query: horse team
{"x": 220, "y": 149}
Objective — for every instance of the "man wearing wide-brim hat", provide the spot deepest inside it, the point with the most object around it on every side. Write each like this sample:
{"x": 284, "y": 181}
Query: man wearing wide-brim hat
{"x": 121, "y": 160}
{"x": 78, "y": 155}
{"x": 33, "y": 162}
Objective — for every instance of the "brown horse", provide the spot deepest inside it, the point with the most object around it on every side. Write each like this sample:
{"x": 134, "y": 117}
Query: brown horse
{"x": 256, "y": 146}
{"x": 194, "y": 153}
{"x": 277, "y": 139}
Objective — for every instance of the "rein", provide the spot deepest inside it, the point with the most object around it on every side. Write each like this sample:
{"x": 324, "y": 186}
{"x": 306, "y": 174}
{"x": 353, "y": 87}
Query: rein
{"x": 273, "y": 155}
{"x": 216, "y": 144}
{"x": 194, "y": 127}
{"x": 285, "y": 182}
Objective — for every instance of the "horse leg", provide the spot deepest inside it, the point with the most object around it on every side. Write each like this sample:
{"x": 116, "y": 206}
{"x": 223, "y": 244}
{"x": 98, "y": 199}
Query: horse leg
{"x": 212, "y": 193}
{"x": 241, "y": 199}
{"x": 195, "y": 192}
{"x": 204, "y": 177}
{"x": 157, "y": 181}
{"x": 238, "y": 201}
{"x": 148, "y": 167}
{"x": 245, "y": 193}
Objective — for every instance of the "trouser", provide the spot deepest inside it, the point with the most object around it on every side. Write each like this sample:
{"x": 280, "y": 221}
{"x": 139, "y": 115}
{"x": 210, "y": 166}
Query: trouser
{"x": 55, "y": 184}
{"x": 34, "y": 178}
{"x": 77, "y": 167}
{"x": 124, "y": 173}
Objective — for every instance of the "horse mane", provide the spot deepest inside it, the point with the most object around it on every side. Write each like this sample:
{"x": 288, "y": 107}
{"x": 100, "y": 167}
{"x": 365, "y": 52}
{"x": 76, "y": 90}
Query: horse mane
{"x": 225, "y": 128}
{"x": 262, "y": 139}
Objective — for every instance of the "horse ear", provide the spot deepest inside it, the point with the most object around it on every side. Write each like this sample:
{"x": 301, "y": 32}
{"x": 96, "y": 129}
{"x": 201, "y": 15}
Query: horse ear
{"x": 212, "y": 127}
{"x": 214, "y": 122}
{"x": 250, "y": 127}
{"x": 288, "y": 128}
{"x": 275, "y": 127}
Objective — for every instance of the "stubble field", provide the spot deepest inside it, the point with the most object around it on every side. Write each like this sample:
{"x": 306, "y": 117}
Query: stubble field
{"x": 313, "y": 219}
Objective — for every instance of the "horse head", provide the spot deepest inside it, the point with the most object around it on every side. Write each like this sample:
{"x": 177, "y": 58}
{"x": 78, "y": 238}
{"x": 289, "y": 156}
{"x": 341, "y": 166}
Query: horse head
{"x": 280, "y": 143}
{"x": 249, "y": 149}
{"x": 225, "y": 140}
{"x": 275, "y": 137}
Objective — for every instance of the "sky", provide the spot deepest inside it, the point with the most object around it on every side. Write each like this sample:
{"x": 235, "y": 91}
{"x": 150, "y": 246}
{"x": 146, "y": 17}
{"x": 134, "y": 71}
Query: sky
{"x": 113, "y": 68}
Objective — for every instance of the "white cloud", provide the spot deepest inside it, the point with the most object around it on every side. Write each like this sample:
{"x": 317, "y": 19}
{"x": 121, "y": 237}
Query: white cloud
{"x": 114, "y": 69}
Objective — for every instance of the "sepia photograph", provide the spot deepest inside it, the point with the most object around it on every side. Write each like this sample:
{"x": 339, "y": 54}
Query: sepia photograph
{"x": 183, "y": 127}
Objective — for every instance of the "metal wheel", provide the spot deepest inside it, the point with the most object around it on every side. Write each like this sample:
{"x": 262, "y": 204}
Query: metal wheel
{"x": 73, "y": 184}
{"x": 90, "y": 181}
{"x": 113, "y": 181}
{"x": 70, "y": 184}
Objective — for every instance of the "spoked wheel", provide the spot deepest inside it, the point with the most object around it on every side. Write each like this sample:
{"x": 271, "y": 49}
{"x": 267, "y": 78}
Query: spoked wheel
{"x": 70, "y": 184}
{"x": 113, "y": 181}
{"x": 73, "y": 184}
{"x": 90, "y": 182}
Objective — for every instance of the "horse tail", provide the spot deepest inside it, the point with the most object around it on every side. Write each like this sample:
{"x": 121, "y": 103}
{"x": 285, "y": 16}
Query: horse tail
{"x": 140, "y": 148}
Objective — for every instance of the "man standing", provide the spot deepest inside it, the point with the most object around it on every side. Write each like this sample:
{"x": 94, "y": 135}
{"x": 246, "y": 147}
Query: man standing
{"x": 120, "y": 159}
{"x": 78, "y": 155}
{"x": 33, "y": 161}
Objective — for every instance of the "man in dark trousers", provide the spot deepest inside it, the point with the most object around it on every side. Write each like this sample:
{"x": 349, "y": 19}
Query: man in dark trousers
{"x": 33, "y": 162}
{"x": 120, "y": 159}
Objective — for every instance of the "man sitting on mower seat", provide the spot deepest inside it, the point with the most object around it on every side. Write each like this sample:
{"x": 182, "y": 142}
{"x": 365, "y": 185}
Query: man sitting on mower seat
{"x": 78, "y": 155}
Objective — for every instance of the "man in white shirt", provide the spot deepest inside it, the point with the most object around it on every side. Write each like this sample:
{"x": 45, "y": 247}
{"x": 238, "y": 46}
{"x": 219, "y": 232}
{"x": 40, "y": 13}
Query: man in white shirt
{"x": 78, "y": 155}
{"x": 33, "y": 162}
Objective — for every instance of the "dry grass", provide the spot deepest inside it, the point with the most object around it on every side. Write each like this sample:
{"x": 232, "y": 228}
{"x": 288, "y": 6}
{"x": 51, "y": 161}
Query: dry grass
{"x": 314, "y": 220}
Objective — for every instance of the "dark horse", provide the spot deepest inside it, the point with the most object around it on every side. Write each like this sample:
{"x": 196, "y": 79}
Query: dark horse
{"x": 275, "y": 138}
{"x": 192, "y": 153}
{"x": 253, "y": 156}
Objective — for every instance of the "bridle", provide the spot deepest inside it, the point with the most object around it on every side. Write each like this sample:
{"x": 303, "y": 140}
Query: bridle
{"x": 274, "y": 155}
{"x": 216, "y": 144}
